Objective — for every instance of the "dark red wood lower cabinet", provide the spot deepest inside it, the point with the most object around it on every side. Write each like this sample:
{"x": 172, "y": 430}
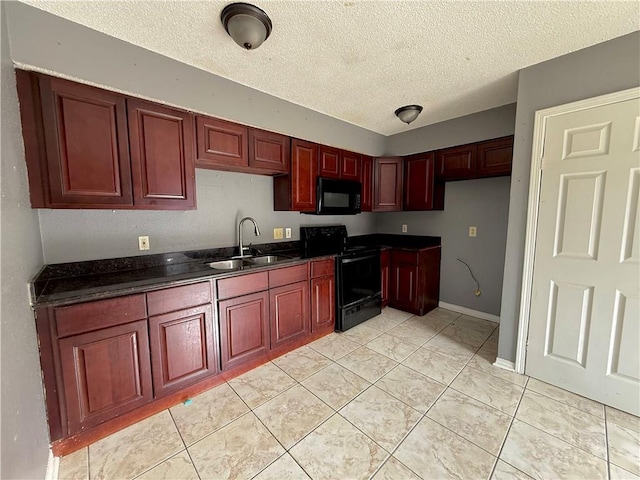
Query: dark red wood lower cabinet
{"x": 385, "y": 271}
{"x": 289, "y": 313}
{"x": 415, "y": 280}
{"x": 244, "y": 328}
{"x": 106, "y": 373}
{"x": 323, "y": 303}
{"x": 182, "y": 349}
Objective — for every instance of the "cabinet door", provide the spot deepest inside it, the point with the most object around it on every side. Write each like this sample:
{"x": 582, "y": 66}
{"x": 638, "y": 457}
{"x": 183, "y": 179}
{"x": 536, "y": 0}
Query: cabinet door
{"x": 457, "y": 163}
{"x": 221, "y": 145}
{"x": 87, "y": 146}
{"x": 182, "y": 348}
{"x": 404, "y": 286}
{"x": 162, "y": 151}
{"x": 304, "y": 164}
{"x": 106, "y": 373}
{"x": 268, "y": 151}
{"x": 323, "y": 303}
{"x": 366, "y": 178}
{"x": 329, "y": 162}
{"x": 421, "y": 191}
{"x": 494, "y": 157}
{"x": 385, "y": 271}
{"x": 244, "y": 328}
{"x": 387, "y": 193}
{"x": 289, "y": 313}
{"x": 350, "y": 166}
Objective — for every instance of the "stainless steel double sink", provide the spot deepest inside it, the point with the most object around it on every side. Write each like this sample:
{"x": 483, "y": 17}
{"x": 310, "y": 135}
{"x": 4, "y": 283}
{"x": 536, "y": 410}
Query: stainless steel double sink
{"x": 240, "y": 263}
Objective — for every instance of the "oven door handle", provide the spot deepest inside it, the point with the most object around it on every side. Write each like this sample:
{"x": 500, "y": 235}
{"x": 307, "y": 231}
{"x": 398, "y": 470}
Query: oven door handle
{"x": 357, "y": 259}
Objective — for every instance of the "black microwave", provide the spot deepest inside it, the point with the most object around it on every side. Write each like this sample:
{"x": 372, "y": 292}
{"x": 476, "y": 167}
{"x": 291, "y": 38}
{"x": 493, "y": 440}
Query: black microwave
{"x": 337, "y": 197}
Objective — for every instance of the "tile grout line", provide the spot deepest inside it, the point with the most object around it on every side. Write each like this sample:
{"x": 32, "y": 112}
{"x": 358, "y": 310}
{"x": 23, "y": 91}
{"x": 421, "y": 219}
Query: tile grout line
{"x": 606, "y": 442}
{"x": 504, "y": 440}
{"x": 186, "y": 449}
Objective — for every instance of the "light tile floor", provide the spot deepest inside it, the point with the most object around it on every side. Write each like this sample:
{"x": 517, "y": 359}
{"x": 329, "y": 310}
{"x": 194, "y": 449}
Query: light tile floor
{"x": 398, "y": 397}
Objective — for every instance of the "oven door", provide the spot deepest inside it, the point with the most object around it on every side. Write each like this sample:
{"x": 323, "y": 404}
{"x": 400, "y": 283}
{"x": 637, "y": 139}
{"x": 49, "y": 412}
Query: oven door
{"x": 358, "y": 277}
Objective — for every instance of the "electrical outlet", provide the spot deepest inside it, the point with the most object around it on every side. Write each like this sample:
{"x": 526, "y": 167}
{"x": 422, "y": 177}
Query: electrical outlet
{"x": 473, "y": 231}
{"x": 404, "y": 228}
{"x": 277, "y": 233}
{"x": 143, "y": 243}
{"x": 287, "y": 233}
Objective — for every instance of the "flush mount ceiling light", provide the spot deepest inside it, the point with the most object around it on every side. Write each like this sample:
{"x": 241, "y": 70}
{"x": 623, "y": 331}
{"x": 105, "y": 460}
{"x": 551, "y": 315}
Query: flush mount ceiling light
{"x": 248, "y": 25}
{"x": 408, "y": 113}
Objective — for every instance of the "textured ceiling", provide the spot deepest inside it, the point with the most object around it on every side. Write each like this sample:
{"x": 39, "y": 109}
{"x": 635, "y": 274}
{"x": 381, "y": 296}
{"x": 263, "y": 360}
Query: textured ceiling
{"x": 360, "y": 60}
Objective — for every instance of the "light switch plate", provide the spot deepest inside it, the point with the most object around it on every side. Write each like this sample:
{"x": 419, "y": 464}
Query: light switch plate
{"x": 404, "y": 228}
{"x": 287, "y": 233}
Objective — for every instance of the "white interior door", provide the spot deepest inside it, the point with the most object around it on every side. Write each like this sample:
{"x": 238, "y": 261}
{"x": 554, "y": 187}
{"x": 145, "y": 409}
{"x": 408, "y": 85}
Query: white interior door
{"x": 584, "y": 319}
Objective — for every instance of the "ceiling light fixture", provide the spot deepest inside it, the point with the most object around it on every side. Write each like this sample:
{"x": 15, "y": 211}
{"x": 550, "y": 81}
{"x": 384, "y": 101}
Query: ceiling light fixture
{"x": 248, "y": 25}
{"x": 408, "y": 113}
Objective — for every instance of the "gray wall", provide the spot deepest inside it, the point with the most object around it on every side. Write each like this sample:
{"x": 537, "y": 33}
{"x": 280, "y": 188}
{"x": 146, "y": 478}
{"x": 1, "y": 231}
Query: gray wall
{"x": 481, "y": 203}
{"x": 497, "y": 122}
{"x": 223, "y": 199}
{"x": 24, "y": 438}
{"x": 49, "y": 43}
{"x": 604, "y": 68}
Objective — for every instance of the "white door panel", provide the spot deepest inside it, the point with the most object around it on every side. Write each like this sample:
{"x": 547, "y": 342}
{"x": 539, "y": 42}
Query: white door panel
{"x": 584, "y": 329}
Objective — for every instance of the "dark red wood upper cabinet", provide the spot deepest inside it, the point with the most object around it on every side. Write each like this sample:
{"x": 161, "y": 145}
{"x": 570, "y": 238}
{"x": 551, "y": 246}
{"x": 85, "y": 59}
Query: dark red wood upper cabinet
{"x": 105, "y": 373}
{"x": 162, "y": 156}
{"x": 350, "y": 166}
{"x": 87, "y": 147}
{"x": 421, "y": 191}
{"x": 268, "y": 151}
{"x": 366, "y": 178}
{"x": 329, "y": 162}
{"x": 221, "y": 145}
{"x": 182, "y": 348}
{"x": 457, "y": 163}
{"x": 387, "y": 191}
{"x": 494, "y": 157}
{"x": 304, "y": 164}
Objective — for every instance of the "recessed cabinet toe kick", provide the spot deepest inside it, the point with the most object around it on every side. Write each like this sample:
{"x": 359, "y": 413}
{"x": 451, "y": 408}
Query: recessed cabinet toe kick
{"x": 110, "y": 363}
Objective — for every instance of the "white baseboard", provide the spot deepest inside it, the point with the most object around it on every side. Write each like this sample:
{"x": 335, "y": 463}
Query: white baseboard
{"x": 469, "y": 311}
{"x": 506, "y": 364}
{"x": 52, "y": 467}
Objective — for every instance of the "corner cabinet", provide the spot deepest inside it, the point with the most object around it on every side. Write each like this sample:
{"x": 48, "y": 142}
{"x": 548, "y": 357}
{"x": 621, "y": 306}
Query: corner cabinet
{"x": 387, "y": 184}
{"x": 415, "y": 280}
{"x": 162, "y": 156}
{"x": 91, "y": 148}
{"x": 268, "y": 151}
{"x": 421, "y": 190}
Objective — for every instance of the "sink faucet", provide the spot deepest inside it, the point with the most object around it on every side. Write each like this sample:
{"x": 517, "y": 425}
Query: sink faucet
{"x": 241, "y": 247}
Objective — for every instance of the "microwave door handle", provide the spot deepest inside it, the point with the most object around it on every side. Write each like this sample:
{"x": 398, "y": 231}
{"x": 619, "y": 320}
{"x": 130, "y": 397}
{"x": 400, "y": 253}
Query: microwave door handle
{"x": 357, "y": 259}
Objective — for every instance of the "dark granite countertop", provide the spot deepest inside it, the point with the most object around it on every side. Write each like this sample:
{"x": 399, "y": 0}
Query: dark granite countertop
{"x": 64, "y": 283}
{"x": 90, "y": 280}
{"x": 409, "y": 242}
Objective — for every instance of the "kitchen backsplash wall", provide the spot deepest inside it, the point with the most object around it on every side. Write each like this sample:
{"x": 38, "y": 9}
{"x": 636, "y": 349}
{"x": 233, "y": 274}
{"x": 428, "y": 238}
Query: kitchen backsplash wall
{"x": 223, "y": 199}
{"x": 481, "y": 203}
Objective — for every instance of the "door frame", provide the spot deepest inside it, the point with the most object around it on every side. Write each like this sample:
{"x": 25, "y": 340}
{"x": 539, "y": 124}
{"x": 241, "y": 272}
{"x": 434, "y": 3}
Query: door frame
{"x": 539, "y": 131}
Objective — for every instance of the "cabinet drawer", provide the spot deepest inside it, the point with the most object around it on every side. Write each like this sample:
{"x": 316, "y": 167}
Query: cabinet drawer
{"x": 242, "y": 285}
{"x": 285, "y": 276}
{"x": 404, "y": 256}
{"x": 322, "y": 267}
{"x": 85, "y": 317}
{"x": 178, "y": 298}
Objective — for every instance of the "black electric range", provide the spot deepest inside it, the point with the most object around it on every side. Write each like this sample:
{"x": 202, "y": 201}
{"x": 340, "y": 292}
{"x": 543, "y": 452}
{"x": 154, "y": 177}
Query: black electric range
{"x": 358, "y": 280}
